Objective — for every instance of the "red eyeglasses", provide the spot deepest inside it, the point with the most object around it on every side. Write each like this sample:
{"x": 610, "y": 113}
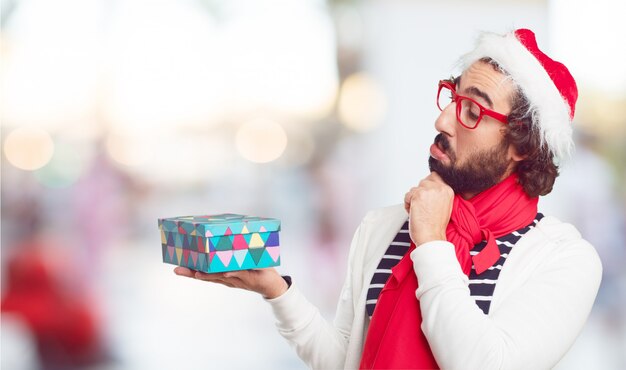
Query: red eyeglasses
{"x": 469, "y": 112}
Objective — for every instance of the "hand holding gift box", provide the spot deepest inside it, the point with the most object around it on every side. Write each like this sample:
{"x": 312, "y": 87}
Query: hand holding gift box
{"x": 265, "y": 281}
{"x": 225, "y": 249}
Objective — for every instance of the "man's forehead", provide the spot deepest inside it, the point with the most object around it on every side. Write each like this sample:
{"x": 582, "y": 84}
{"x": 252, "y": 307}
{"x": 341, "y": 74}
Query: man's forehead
{"x": 486, "y": 75}
{"x": 483, "y": 78}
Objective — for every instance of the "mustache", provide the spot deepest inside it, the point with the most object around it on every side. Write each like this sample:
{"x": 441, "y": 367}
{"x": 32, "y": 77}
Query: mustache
{"x": 442, "y": 142}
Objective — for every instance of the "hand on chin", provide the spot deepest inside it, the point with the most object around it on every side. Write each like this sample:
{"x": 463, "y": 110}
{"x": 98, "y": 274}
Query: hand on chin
{"x": 429, "y": 206}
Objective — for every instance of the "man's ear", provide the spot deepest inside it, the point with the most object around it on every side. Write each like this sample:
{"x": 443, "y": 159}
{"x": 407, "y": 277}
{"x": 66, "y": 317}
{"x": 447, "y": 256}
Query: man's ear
{"x": 514, "y": 155}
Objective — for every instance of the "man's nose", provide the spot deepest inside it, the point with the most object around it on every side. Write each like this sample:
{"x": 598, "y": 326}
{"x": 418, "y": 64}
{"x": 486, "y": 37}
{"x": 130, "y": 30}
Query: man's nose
{"x": 446, "y": 122}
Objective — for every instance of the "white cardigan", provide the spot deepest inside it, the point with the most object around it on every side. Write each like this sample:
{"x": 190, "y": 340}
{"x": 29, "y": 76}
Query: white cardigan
{"x": 542, "y": 299}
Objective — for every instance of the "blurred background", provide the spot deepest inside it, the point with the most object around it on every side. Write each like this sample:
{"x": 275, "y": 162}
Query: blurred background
{"x": 116, "y": 113}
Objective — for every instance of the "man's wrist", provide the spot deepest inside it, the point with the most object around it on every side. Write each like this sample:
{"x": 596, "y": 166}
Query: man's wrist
{"x": 280, "y": 288}
{"x": 429, "y": 238}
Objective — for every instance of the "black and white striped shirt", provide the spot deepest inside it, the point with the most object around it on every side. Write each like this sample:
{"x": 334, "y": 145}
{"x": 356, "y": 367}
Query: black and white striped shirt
{"x": 481, "y": 286}
{"x": 397, "y": 249}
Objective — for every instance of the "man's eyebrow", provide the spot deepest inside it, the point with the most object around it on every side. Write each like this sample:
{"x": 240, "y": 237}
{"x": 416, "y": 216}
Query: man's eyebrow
{"x": 476, "y": 91}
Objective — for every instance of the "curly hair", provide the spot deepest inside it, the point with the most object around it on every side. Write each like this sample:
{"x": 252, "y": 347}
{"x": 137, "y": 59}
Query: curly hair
{"x": 537, "y": 171}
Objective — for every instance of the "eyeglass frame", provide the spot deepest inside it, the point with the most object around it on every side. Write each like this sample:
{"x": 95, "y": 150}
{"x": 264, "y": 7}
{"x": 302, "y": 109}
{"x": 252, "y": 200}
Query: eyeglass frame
{"x": 456, "y": 98}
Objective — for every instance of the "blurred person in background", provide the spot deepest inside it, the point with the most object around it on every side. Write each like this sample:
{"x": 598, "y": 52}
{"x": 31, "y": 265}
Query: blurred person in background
{"x": 43, "y": 294}
{"x": 472, "y": 225}
{"x": 50, "y": 277}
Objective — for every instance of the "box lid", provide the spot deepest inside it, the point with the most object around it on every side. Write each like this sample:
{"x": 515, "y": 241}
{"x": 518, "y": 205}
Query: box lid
{"x": 220, "y": 224}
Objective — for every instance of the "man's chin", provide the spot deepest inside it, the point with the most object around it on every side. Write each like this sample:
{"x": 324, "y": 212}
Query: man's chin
{"x": 438, "y": 166}
{"x": 444, "y": 171}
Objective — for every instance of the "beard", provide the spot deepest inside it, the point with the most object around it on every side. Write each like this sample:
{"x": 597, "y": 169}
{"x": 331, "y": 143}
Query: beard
{"x": 482, "y": 169}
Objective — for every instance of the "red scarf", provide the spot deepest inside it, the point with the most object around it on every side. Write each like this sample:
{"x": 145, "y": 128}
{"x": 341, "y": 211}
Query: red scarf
{"x": 394, "y": 338}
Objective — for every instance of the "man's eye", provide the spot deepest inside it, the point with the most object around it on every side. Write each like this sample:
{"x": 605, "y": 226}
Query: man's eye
{"x": 474, "y": 111}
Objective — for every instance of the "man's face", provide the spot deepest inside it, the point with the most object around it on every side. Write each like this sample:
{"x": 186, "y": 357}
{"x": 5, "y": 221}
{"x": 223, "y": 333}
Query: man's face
{"x": 471, "y": 161}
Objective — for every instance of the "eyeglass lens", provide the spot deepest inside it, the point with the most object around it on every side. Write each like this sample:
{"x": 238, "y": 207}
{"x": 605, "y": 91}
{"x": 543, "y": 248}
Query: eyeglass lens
{"x": 468, "y": 112}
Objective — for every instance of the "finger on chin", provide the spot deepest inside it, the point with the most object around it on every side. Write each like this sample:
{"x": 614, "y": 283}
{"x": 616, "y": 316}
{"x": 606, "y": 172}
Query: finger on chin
{"x": 435, "y": 176}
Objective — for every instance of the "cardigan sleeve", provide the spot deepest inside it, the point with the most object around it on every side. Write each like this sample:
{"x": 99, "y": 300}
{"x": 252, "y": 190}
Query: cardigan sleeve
{"x": 532, "y": 328}
{"x": 320, "y": 344}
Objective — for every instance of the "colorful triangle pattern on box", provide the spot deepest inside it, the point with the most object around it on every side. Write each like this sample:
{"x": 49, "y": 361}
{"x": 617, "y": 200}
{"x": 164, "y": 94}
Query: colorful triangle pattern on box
{"x": 232, "y": 260}
{"x": 226, "y": 242}
{"x": 220, "y": 224}
{"x": 220, "y": 243}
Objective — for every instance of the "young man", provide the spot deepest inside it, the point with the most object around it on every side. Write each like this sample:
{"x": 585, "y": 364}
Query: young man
{"x": 474, "y": 277}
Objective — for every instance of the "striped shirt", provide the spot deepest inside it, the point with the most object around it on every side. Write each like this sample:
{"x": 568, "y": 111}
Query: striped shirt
{"x": 481, "y": 286}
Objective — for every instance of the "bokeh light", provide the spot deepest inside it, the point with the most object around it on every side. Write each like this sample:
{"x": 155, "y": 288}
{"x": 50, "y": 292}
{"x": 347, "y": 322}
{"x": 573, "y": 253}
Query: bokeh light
{"x": 128, "y": 149}
{"x": 362, "y": 103}
{"x": 69, "y": 162}
{"x": 28, "y": 148}
{"x": 261, "y": 140}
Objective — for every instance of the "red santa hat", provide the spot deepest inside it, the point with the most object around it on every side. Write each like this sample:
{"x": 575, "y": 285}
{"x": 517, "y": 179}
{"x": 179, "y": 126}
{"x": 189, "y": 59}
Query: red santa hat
{"x": 546, "y": 83}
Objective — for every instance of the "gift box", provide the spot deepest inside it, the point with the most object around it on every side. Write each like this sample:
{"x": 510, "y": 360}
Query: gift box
{"x": 218, "y": 243}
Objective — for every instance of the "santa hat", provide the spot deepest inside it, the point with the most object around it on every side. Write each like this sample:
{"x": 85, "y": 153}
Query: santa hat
{"x": 546, "y": 83}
